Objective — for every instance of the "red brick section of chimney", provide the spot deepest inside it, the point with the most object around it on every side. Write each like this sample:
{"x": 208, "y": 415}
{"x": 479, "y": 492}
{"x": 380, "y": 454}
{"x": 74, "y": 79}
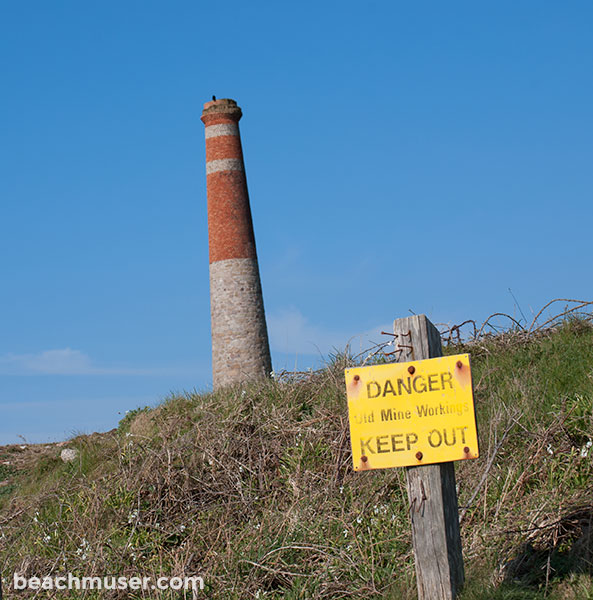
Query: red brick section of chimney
{"x": 240, "y": 348}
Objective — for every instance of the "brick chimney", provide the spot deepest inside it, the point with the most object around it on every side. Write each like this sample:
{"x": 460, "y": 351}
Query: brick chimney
{"x": 240, "y": 348}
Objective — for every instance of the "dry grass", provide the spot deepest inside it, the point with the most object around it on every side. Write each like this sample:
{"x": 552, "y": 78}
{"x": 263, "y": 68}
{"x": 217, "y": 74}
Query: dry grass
{"x": 253, "y": 489}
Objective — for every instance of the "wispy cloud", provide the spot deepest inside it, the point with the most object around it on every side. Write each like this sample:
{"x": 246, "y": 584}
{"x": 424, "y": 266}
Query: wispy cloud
{"x": 66, "y": 361}
{"x": 50, "y": 362}
{"x": 292, "y": 333}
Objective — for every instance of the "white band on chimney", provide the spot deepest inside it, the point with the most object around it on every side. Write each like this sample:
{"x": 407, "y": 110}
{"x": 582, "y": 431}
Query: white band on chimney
{"x": 222, "y": 129}
{"x": 224, "y": 164}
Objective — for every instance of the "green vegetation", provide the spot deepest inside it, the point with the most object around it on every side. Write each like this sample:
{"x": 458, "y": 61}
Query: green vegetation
{"x": 252, "y": 488}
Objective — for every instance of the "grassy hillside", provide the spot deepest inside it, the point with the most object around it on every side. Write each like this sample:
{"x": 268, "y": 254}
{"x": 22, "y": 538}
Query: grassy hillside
{"x": 253, "y": 489}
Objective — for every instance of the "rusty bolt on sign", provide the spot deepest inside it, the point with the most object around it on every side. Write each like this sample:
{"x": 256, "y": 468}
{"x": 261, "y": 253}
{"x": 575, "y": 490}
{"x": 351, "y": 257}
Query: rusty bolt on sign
{"x": 459, "y": 364}
{"x": 356, "y": 377}
{"x": 364, "y": 458}
{"x": 466, "y": 450}
{"x": 419, "y": 455}
{"x": 411, "y": 369}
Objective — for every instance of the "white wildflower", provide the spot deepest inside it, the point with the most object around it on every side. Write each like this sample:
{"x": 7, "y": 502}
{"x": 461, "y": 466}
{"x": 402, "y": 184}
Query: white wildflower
{"x": 82, "y": 549}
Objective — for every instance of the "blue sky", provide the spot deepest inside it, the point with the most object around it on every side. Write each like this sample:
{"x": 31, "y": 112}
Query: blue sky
{"x": 400, "y": 156}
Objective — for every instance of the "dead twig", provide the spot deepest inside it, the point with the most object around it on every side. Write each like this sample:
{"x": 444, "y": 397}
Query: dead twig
{"x": 486, "y": 471}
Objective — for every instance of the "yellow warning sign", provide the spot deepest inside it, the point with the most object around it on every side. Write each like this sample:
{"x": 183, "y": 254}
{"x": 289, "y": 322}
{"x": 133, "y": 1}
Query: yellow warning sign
{"x": 413, "y": 413}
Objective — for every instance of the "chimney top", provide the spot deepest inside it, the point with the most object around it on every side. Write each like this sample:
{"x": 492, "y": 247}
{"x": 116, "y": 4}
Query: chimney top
{"x": 222, "y": 106}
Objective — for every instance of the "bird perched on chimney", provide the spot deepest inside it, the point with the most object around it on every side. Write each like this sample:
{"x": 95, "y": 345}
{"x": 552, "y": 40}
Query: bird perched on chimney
{"x": 213, "y": 97}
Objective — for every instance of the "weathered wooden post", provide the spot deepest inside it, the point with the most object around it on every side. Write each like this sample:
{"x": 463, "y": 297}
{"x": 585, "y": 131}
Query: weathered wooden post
{"x": 419, "y": 413}
{"x": 431, "y": 488}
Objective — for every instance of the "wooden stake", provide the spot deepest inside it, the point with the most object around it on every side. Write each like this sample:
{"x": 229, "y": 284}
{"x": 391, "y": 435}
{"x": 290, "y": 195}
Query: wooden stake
{"x": 431, "y": 488}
